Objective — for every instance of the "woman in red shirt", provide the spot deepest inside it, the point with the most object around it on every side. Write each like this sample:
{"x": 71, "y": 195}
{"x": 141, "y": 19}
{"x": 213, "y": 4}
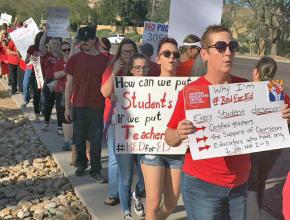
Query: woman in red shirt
{"x": 60, "y": 76}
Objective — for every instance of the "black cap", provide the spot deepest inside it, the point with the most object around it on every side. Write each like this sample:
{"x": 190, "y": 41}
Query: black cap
{"x": 86, "y": 33}
{"x": 147, "y": 49}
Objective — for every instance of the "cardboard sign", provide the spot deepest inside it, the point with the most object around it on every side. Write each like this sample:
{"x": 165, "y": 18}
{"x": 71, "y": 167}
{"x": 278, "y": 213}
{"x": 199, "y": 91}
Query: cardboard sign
{"x": 58, "y": 23}
{"x": 24, "y": 37}
{"x": 38, "y": 72}
{"x": 143, "y": 109}
{"x": 233, "y": 119}
{"x": 192, "y": 17}
{"x": 153, "y": 33}
{"x": 5, "y": 18}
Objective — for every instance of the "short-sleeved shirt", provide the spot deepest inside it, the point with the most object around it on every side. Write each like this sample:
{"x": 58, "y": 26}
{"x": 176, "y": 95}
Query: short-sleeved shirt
{"x": 22, "y": 65}
{"x": 12, "y": 59}
{"x": 31, "y": 50}
{"x": 48, "y": 61}
{"x": 231, "y": 171}
{"x": 184, "y": 69}
{"x": 108, "y": 103}
{"x": 87, "y": 71}
{"x": 60, "y": 85}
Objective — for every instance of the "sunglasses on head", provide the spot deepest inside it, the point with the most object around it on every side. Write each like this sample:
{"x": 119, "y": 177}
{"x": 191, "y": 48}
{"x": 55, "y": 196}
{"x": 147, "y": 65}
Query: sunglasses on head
{"x": 221, "y": 46}
{"x": 167, "y": 54}
{"x": 65, "y": 50}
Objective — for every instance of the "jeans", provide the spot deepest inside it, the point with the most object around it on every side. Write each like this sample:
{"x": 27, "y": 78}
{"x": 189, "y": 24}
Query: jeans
{"x": 49, "y": 100}
{"x": 88, "y": 125}
{"x": 126, "y": 169}
{"x": 26, "y": 83}
{"x": 20, "y": 76}
{"x": 112, "y": 165}
{"x": 59, "y": 105}
{"x": 261, "y": 164}
{"x": 206, "y": 201}
{"x": 13, "y": 77}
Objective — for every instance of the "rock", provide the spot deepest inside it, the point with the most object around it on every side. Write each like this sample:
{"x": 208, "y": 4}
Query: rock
{"x": 22, "y": 214}
{"x": 59, "y": 182}
{"x": 50, "y": 205}
{"x": 5, "y": 212}
{"x": 38, "y": 216}
{"x": 9, "y": 194}
{"x": 22, "y": 194}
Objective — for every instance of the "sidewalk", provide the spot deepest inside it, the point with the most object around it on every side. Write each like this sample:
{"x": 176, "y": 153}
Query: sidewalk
{"x": 256, "y": 57}
{"x": 91, "y": 194}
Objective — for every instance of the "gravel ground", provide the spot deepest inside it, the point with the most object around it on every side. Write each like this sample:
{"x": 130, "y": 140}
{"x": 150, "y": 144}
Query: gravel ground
{"x": 31, "y": 185}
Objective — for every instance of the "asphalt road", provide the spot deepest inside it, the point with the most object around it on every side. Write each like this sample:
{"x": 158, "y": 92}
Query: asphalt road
{"x": 243, "y": 67}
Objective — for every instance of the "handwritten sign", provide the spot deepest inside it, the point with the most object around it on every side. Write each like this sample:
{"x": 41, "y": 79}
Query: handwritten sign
{"x": 233, "y": 119}
{"x": 24, "y": 37}
{"x": 187, "y": 17}
{"x": 38, "y": 71}
{"x": 5, "y": 18}
{"x": 153, "y": 33}
{"x": 58, "y": 23}
{"x": 144, "y": 107}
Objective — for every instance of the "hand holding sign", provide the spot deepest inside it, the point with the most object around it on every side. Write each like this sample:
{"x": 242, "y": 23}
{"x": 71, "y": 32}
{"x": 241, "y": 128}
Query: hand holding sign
{"x": 184, "y": 128}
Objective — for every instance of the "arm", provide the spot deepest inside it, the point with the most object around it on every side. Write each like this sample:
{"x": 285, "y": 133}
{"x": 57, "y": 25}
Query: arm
{"x": 174, "y": 137}
{"x": 27, "y": 59}
{"x": 286, "y": 112}
{"x": 42, "y": 47}
{"x": 68, "y": 93}
{"x": 107, "y": 87}
{"x": 59, "y": 74}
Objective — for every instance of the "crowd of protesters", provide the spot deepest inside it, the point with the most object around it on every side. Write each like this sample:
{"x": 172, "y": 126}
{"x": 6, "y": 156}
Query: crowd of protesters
{"x": 78, "y": 81}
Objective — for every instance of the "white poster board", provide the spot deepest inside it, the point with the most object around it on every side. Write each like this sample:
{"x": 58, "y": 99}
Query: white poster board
{"x": 153, "y": 33}
{"x": 58, "y": 23}
{"x": 192, "y": 17}
{"x": 233, "y": 119}
{"x": 38, "y": 71}
{"x": 5, "y": 18}
{"x": 143, "y": 109}
{"x": 24, "y": 37}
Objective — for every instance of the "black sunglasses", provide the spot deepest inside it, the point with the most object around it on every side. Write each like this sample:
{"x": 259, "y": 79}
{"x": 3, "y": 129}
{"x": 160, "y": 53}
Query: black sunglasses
{"x": 65, "y": 50}
{"x": 221, "y": 46}
{"x": 167, "y": 54}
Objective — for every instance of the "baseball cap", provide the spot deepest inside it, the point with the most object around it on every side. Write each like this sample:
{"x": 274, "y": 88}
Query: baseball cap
{"x": 86, "y": 33}
{"x": 147, "y": 49}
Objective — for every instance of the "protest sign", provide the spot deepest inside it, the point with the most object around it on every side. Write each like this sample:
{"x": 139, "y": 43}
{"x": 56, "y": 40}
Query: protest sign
{"x": 143, "y": 109}
{"x": 38, "y": 72}
{"x": 24, "y": 37}
{"x": 233, "y": 119}
{"x": 5, "y": 18}
{"x": 58, "y": 23}
{"x": 153, "y": 33}
{"x": 192, "y": 17}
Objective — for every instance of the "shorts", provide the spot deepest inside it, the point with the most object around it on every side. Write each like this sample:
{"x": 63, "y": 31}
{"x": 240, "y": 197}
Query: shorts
{"x": 167, "y": 161}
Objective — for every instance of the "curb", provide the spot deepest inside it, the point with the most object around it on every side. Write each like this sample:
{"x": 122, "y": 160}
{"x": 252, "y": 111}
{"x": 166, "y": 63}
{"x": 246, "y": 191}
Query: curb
{"x": 257, "y": 58}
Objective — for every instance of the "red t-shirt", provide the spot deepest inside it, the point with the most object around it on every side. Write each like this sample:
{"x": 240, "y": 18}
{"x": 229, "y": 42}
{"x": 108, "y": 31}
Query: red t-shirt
{"x": 87, "y": 71}
{"x": 286, "y": 198}
{"x": 108, "y": 103}
{"x": 22, "y": 65}
{"x": 154, "y": 69}
{"x": 31, "y": 50}
{"x": 60, "y": 85}
{"x": 231, "y": 171}
{"x": 48, "y": 61}
{"x": 12, "y": 59}
{"x": 108, "y": 55}
{"x": 184, "y": 69}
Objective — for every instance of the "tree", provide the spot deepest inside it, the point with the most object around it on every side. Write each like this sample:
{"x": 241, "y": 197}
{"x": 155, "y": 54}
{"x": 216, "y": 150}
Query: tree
{"x": 159, "y": 12}
{"x": 271, "y": 21}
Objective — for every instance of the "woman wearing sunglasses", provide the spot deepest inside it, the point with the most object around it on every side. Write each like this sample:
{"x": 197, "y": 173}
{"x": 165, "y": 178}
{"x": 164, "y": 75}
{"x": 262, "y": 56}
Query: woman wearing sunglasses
{"x": 162, "y": 172}
{"x": 60, "y": 76}
{"x": 121, "y": 166}
{"x": 189, "y": 51}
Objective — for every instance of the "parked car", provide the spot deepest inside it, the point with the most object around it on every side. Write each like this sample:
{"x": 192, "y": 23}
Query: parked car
{"x": 116, "y": 38}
